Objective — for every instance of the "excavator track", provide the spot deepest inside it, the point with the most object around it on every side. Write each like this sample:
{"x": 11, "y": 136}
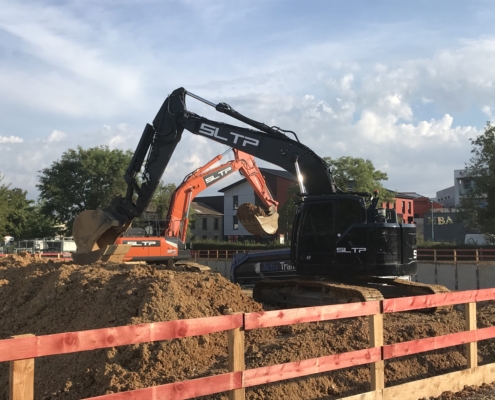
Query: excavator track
{"x": 311, "y": 292}
{"x": 300, "y": 292}
{"x": 405, "y": 288}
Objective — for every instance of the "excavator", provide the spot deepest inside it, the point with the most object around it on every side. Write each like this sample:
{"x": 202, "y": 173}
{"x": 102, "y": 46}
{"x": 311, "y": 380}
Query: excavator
{"x": 344, "y": 247}
{"x": 171, "y": 244}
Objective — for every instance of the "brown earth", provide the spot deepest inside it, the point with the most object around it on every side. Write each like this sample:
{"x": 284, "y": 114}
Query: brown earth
{"x": 50, "y": 297}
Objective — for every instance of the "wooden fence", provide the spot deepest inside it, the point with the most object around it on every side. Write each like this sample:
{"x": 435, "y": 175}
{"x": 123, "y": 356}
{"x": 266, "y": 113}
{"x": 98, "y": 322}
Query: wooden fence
{"x": 217, "y": 254}
{"x": 22, "y": 350}
{"x": 456, "y": 255}
{"x": 434, "y": 255}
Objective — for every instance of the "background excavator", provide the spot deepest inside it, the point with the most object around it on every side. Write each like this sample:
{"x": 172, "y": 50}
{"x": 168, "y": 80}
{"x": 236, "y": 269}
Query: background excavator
{"x": 170, "y": 243}
{"x": 344, "y": 248}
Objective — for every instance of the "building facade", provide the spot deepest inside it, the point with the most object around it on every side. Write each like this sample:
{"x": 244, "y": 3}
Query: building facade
{"x": 403, "y": 204}
{"x": 208, "y": 223}
{"x": 451, "y": 196}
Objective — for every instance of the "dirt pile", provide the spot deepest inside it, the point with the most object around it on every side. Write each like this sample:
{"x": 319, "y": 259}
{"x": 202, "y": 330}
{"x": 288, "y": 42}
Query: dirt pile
{"x": 49, "y": 297}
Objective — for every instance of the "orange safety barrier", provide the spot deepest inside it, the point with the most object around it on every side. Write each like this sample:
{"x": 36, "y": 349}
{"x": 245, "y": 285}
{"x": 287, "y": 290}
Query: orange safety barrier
{"x": 21, "y": 349}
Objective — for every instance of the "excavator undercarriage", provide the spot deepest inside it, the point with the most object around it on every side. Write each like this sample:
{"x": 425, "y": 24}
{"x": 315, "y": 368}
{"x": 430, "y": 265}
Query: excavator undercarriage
{"x": 314, "y": 291}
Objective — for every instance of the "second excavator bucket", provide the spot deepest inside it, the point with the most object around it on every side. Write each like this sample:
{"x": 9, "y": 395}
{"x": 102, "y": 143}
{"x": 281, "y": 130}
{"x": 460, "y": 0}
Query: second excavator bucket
{"x": 95, "y": 233}
{"x": 256, "y": 221}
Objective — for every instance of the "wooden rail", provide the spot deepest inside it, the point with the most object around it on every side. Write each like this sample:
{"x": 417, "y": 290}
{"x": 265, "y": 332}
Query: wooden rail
{"x": 217, "y": 254}
{"x": 456, "y": 255}
{"x": 435, "y": 255}
{"x": 21, "y": 351}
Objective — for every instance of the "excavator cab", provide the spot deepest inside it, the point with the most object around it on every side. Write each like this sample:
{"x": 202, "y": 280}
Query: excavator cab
{"x": 334, "y": 238}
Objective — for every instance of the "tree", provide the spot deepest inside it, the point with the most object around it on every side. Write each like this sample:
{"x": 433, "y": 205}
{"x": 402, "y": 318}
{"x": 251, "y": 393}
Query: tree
{"x": 19, "y": 217}
{"x": 360, "y": 174}
{"x": 83, "y": 179}
{"x": 39, "y": 225}
{"x": 3, "y": 206}
{"x": 477, "y": 206}
{"x": 288, "y": 210}
{"x": 161, "y": 198}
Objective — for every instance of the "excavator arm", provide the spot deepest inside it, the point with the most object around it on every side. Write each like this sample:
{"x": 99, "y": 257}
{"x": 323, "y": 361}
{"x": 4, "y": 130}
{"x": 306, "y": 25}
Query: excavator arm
{"x": 95, "y": 232}
{"x": 203, "y": 177}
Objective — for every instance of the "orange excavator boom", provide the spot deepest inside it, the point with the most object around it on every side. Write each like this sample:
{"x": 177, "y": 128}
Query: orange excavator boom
{"x": 162, "y": 247}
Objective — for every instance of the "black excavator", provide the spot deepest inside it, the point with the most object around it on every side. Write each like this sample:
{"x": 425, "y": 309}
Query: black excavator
{"x": 344, "y": 246}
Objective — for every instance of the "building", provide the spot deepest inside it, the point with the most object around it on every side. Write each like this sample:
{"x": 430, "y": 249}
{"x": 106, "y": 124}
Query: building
{"x": 208, "y": 222}
{"x": 403, "y": 204}
{"x": 451, "y": 196}
{"x": 240, "y": 192}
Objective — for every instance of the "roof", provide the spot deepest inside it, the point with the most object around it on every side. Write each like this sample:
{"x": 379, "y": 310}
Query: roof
{"x": 414, "y": 195}
{"x": 204, "y": 209}
{"x": 277, "y": 172}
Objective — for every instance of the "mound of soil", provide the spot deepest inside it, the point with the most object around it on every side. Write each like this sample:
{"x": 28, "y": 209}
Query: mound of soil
{"x": 42, "y": 297}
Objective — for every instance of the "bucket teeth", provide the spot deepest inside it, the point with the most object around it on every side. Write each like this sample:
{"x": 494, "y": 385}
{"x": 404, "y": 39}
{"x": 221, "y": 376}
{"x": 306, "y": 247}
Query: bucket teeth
{"x": 114, "y": 253}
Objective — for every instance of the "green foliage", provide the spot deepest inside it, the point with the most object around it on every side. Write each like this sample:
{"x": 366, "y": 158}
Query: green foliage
{"x": 19, "y": 217}
{"x": 288, "y": 210}
{"x": 477, "y": 208}
{"x": 39, "y": 225}
{"x": 83, "y": 179}
{"x": 360, "y": 174}
{"x": 4, "y": 189}
{"x": 161, "y": 198}
{"x": 216, "y": 245}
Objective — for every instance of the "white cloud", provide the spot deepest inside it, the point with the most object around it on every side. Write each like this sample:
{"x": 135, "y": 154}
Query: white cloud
{"x": 487, "y": 110}
{"x": 78, "y": 72}
{"x": 10, "y": 139}
{"x": 56, "y": 136}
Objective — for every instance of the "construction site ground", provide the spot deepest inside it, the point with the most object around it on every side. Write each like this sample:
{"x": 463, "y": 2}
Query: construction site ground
{"x": 45, "y": 297}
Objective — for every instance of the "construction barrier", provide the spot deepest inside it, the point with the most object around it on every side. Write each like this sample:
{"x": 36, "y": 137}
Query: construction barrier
{"x": 22, "y": 350}
{"x": 435, "y": 255}
{"x": 456, "y": 255}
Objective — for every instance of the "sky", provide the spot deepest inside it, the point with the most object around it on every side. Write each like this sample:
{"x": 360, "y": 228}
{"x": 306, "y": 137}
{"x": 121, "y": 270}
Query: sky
{"x": 403, "y": 84}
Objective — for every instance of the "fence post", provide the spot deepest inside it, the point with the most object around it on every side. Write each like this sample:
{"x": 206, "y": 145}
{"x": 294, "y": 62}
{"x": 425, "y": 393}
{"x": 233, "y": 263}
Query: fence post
{"x": 21, "y": 379}
{"x": 435, "y": 256}
{"x": 236, "y": 359}
{"x": 455, "y": 256}
{"x": 377, "y": 369}
{"x": 471, "y": 348}
{"x": 477, "y": 256}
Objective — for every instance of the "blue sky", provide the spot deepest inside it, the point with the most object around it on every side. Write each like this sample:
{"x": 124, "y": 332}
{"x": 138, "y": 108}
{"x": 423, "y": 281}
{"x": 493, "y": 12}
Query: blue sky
{"x": 404, "y": 84}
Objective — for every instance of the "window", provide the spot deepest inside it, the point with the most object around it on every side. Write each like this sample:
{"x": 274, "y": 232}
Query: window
{"x": 205, "y": 237}
{"x": 205, "y": 224}
{"x": 236, "y": 202}
{"x": 215, "y": 224}
{"x": 215, "y": 237}
{"x": 317, "y": 231}
{"x": 236, "y": 223}
{"x": 409, "y": 207}
{"x": 403, "y": 207}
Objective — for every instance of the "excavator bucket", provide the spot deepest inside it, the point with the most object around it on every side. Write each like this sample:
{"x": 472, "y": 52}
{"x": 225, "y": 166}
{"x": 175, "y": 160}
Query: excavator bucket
{"x": 95, "y": 233}
{"x": 256, "y": 221}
